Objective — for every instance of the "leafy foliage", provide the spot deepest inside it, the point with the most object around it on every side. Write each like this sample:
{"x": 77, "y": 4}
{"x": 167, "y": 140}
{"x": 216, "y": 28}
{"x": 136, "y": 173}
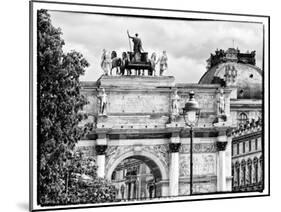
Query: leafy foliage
{"x": 84, "y": 186}
{"x": 59, "y": 112}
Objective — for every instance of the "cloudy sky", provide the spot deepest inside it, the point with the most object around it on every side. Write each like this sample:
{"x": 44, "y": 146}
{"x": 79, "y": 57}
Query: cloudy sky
{"x": 188, "y": 43}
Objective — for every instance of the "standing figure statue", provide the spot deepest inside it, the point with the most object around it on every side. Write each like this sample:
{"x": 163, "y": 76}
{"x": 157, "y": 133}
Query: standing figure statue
{"x": 103, "y": 102}
{"x": 175, "y": 105}
{"x": 137, "y": 46}
{"x": 221, "y": 103}
{"x": 163, "y": 63}
{"x": 106, "y": 64}
{"x": 153, "y": 62}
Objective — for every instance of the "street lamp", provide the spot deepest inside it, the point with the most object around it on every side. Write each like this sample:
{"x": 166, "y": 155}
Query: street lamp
{"x": 191, "y": 116}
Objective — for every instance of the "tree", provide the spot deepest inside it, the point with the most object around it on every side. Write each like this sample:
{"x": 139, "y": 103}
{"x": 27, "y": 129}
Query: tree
{"x": 59, "y": 112}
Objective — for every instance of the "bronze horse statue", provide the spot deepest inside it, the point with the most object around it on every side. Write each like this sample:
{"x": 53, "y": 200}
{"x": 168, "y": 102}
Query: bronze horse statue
{"x": 115, "y": 62}
{"x": 125, "y": 64}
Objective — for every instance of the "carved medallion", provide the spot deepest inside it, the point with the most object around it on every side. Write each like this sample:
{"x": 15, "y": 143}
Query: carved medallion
{"x": 174, "y": 147}
{"x": 100, "y": 149}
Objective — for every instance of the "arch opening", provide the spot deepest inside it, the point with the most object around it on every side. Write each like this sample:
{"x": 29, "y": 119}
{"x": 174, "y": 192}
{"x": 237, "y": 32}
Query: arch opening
{"x": 136, "y": 177}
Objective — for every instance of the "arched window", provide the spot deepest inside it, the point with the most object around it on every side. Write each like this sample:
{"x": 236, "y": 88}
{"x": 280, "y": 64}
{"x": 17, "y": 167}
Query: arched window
{"x": 237, "y": 167}
{"x": 243, "y": 168}
{"x": 250, "y": 145}
{"x": 249, "y": 178}
{"x": 261, "y": 169}
{"x": 242, "y": 119}
{"x": 256, "y": 170}
{"x": 233, "y": 174}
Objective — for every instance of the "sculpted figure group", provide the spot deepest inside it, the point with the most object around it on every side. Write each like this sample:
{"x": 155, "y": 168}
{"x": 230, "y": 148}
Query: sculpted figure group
{"x": 136, "y": 60}
{"x": 110, "y": 63}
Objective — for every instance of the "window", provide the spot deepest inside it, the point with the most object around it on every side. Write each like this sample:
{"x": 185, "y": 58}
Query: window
{"x": 256, "y": 171}
{"x": 243, "y": 147}
{"x": 232, "y": 174}
{"x": 249, "y": 171}
{"x": 250, "y": 146}
{"x": 243, "y": 118}
{"x": 261, "y": 169}
{"x": 256, "y": 144}
{"x": 243, "y": 167}
{"x": 237, "y": 148}
{"x": 237, "y": 170}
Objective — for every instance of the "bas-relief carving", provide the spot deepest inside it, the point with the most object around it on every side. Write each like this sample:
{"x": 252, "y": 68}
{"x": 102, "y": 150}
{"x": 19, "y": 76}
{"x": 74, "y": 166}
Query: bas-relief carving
{"x": 143, "y": 103}
{"x": 198, "y": 148}
{"x": 203, "y": 164}
{"x": 184, "y": 188}
{"x": 91, "y": 107}
{"x": 206, "y": 102}
{"x": 204, "y": 187}
{"x": 160, "y": 151}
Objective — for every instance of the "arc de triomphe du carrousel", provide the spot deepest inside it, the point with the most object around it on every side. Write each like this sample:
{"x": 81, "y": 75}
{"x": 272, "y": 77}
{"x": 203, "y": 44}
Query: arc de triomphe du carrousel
{"x": 138, "y": 115}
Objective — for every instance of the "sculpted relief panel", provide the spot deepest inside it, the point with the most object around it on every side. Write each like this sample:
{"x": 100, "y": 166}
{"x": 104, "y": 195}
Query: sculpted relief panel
{"x": 203, "y": 164}
{"x": 207, "y": 102}
{"x": 137, "y": 102}
{"x": 184, "y": 188}
{"x": 114, "y": 152}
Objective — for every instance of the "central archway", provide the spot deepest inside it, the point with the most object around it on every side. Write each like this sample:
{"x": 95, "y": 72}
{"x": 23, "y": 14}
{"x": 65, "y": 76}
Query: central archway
{"x": 157, "y": 168}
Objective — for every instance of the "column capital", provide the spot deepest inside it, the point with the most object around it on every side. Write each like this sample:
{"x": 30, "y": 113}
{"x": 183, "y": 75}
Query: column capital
{"x": 174, "y": 147}
{"x": 221, "y": 145}
{"x": 100, "y": 149}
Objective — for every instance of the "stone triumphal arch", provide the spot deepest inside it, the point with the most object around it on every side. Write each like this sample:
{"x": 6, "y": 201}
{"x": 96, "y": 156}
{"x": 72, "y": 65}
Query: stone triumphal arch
{"x": 142, "y": 144}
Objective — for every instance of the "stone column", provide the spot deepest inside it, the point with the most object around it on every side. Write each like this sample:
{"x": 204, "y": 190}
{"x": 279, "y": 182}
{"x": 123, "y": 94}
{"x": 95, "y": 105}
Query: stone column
{"x": 174, "y": 169}
{"x": 100, "y": 149}
{"x": 126, "y": 196}
{"x": 101, "y": 146}
{"x": 221, "y": 175}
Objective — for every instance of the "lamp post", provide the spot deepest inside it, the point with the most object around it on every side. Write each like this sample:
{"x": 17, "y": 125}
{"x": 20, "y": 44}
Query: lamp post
{"x": 190, "y": 111}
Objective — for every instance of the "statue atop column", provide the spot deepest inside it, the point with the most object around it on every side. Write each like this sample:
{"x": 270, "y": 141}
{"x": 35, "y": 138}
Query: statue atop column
{"x": 163, "y": 63}
{"x": 153, "y": 62}
{"x": 134, "y": 60}
{"x": 221, "y": 103}
{"x": 106, "y": 64}
{"x": 175, "y": 105}
{"x": 103, "y": 102}
{"x": 137, "y": 43}
{"x": 221, "y": 117}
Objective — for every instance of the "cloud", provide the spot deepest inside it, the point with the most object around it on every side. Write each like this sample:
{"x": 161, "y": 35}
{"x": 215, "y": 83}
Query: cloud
{"x": 188, "y": 43}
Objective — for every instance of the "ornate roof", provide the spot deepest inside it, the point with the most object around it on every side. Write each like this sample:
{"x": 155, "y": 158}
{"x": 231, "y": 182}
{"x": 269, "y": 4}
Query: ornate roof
{"x": 231, "y": 69}
{"x": 248, "y": 128}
